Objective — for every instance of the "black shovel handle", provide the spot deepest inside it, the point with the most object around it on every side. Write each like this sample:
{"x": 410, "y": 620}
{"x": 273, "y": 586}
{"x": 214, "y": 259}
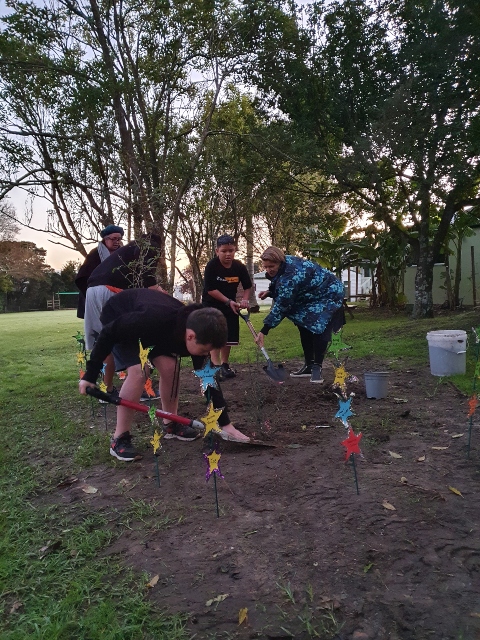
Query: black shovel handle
{"x": 106, "y": 397}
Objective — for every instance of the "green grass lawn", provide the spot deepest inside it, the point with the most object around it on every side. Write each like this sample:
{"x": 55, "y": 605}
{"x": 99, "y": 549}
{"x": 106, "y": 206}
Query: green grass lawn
{"x": 74, "y": 592}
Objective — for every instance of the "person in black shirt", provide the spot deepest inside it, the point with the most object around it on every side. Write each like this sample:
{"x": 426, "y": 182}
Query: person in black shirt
{"x": 222, "y": 277}
{"x": 173, "y": 330}
{"x": 111, "y": 242}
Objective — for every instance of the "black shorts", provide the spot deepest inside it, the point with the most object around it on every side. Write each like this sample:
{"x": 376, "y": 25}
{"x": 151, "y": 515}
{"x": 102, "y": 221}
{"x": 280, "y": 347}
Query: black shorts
{"x": 233, "y": 322}
{"x": 128, "y": 355}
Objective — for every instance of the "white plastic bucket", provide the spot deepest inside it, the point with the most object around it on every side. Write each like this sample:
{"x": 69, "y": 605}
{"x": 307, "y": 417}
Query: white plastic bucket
{"x": 448, "y": 352}
{"x": 376, "y": 384}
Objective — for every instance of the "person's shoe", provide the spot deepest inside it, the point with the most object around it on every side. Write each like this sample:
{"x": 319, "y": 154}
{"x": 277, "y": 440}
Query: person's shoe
{"x": 316, "y": 376}
{"x": 123, "y": 449}
{"x": 231, "y": 434}
{"x": 227, "y": 372}
{"x": 304, "y": 372}
{"x": 180, "y": 432}
{"x": 145, "y": 397}
{"x": 114, "y": 393}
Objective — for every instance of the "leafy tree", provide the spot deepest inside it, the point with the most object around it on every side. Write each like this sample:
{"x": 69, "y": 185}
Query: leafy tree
{"x": 389, "y": 93}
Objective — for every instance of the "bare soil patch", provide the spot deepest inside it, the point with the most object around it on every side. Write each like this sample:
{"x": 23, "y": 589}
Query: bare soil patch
{"x": 294, "y": 543}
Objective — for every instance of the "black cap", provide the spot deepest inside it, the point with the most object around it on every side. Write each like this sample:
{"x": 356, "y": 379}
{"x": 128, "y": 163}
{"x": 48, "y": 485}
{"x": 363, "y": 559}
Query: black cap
{"x": 226, "y": 239}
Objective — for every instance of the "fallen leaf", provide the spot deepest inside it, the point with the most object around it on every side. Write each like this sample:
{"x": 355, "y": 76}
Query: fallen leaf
{"x": 457, "y": 435}
{"x": 456, "y": 491}
{"x": 421, "y": 459}
{"x": 153, "y": 582}
{"x": 387, "y": 505}
{"x": 219, "y": 598}
{"x": 474, "y": 614}
{"x": 87, "y": 488}
{"x": 16, "y": 606}
{"x": 367, "y": 567}
{"x": 439, "y": 448}
{"x": 243, "y": 616}
{"x": 399, "y": 400}
{"x": 394, "y": 455}
{"x": 323, "y": 426}
{"x": 403, "y": 480}
{"x": 304, "y": 427}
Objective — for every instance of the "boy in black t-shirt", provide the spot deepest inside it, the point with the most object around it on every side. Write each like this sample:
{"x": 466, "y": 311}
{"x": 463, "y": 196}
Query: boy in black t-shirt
{"x": 223, "y": 274}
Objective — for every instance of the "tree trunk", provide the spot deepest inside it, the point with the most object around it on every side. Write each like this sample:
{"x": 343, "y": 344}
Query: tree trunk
{"x": 249, "y": 260}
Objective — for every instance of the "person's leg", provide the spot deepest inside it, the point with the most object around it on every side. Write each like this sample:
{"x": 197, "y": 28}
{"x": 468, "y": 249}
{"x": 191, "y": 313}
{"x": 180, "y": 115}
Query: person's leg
{"x": 109, "y": 372}
{"x": 131, "y": 390}
{"x": 306, "y": 340}
{"x": 215, "y": 357}
{"x": 225, "y": 353}
{"x": 169, "y": 372}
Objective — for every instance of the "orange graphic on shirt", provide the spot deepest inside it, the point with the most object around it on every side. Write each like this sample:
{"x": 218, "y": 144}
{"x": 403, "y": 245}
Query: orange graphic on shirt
{"x": 232, "y": 279}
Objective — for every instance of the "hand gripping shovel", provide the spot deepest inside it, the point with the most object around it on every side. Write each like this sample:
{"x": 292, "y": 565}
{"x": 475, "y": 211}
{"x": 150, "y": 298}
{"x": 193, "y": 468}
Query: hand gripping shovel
{"x": 96, "y": 393}
{"x": 277, "y": 374}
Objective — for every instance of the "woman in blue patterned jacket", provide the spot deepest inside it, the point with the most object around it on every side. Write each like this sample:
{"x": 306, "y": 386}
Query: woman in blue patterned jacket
{"x": 311, "y": 297}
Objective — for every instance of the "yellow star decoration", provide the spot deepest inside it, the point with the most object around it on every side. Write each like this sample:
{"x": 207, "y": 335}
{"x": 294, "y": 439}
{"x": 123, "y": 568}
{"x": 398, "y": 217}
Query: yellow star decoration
{"x": 102, "y": 386}
{"x": 80, "y": 358}
{"x": 213, "y": 460}
{"x": 210, "y": 420}
{"x": 155, "y": 442}
{"x": 143, "y": 354}
{"x": 340, "y": 377}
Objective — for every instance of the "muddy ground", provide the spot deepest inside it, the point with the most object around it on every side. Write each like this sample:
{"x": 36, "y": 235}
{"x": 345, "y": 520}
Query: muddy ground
{"x": 294, "y": 543}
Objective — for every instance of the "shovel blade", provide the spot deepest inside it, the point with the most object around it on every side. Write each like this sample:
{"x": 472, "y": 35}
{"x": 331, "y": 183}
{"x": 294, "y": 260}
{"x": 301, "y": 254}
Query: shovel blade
{"x": 277, "y": 374}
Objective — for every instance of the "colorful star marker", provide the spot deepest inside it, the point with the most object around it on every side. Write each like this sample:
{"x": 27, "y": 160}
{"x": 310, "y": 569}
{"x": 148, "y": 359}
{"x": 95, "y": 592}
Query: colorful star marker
{"x": 212, "y": 458}
{"x": 143, "y": 354}
{"x": 351, "y": 444}
{"x": 102, "y": 386}
{"x": 344, "y": 411}
{"x": 337, "y": 344}
{"x": 207, "y": 375}
{"x": 149, "y": 388}
{"x": 340, "y": 378}
{"x": 155, "y": 442}
{"x": 472, "y": 405}
{"x": 211, "y": 420}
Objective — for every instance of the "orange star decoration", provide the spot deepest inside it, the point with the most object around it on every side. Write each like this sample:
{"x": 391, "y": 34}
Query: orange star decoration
{"x": 211, "y": 420}
{"x": 143, "y": 354}
{"x": 213, "y": 458}
{"x": 122, "y": 375}
{"x": 472, "y": 405}
{"x": 149, "y": 388}
{"x": 102, "y": 386}
{"x": 351, "y": 444}
{"x": 340, "y": 377}
{"x": 155, "y": 442}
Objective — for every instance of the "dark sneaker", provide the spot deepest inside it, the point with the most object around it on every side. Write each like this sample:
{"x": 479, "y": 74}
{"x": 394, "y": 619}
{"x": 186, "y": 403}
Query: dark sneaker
{"x": 180, "y": 432}
{"x": 304, "y": 372}
{"x": 316, "y": 374}
{"x": 145, "y": 397}
{"x": 227, "y": 372}
{"x": 114, "y": 393}
{"x": 122, "y": 448}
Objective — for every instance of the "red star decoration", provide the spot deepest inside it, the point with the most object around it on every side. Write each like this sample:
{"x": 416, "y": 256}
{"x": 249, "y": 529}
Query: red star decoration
{"x": 351, "y": 444}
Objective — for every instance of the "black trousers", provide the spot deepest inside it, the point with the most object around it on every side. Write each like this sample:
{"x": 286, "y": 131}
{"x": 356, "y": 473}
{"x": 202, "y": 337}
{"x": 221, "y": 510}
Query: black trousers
{"x": 315, "y": 345}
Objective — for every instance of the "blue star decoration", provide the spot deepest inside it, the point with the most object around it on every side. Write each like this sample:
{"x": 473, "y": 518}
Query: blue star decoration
{"x": 207, "y": 375}
{"x": 344, "y": 411}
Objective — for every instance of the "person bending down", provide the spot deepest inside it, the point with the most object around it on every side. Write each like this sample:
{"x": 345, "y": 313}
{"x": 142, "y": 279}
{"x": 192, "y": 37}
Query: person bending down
{"x": 311, "y": 297}
{"x": 172, "y": 330}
